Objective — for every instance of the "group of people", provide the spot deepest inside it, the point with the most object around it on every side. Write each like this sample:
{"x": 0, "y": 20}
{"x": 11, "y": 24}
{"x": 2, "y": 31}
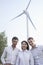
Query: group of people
{"x": 13, "y": 56}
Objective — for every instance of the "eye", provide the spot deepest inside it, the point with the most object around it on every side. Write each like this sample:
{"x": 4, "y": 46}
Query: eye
{"x": 30, "y": 41}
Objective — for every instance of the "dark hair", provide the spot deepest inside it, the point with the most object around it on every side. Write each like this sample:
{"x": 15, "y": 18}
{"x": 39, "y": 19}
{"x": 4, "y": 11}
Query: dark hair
{"x": 30, "y": 38}
{"x": 26, "y": 43}
{"x": 16, "y": 38}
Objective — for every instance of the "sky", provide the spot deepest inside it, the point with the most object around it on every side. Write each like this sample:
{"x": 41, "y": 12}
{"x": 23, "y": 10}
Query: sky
{"x": 11, "y": 8}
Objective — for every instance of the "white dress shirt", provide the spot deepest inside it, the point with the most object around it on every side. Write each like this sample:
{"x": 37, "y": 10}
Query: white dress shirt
{"x": 25, "y": 58}
{"x": 9, "y": 55}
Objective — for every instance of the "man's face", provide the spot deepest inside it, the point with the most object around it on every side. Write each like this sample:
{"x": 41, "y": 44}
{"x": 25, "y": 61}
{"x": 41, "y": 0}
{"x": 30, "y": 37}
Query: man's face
{"x": 31, "y": 42}
{"x": 14, "y": 42}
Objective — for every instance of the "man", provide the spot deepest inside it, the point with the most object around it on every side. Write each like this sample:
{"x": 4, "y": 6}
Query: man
{"x": 10, "y": 53}
{"x": 36, "y": 51}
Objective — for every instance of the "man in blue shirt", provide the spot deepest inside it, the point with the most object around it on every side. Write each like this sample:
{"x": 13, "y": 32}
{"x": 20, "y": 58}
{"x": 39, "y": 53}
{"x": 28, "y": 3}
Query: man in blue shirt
{"x": 36, "y": 51}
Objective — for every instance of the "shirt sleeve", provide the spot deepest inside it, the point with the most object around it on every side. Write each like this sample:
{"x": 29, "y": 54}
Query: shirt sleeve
{"x": 31, "y": 59}
{"x": 3, "y": 57}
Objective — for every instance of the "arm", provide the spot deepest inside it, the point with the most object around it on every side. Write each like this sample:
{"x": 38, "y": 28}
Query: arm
{"x": 3, "y": 57}
{"x": 31, "y": 59}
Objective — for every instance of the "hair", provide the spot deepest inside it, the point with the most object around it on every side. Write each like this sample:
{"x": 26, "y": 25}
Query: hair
{"x": 16, "y": 38}
{"x": 26, "y": 43}
{"x": 30, "y": 38}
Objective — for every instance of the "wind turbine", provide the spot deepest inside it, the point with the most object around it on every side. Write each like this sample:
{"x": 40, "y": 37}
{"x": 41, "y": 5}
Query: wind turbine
{"x": 27, "y": 17}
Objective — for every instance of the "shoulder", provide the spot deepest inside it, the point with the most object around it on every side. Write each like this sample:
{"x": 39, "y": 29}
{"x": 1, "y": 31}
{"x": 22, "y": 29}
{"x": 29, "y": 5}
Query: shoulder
{"x": 7, "y": 48}
{"x": 20, "y": 52}
{"x": 40, "y": 47}
{"x": 30, "y": 52}
{"x": 18, "y": 49}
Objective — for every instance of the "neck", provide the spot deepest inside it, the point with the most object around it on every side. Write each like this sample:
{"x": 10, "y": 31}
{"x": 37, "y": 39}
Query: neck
{"x": 23, "y": 49}
{"x": 13, "y": 46}
{"x": 34, "y": 46}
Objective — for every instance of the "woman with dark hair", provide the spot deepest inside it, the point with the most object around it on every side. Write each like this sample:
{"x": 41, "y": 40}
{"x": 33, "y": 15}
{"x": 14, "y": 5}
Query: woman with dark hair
{"x": 25, "y": 57}
{"x": 25, "y": 44}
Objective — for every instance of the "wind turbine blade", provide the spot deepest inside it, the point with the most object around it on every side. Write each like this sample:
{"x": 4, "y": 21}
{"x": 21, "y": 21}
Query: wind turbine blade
{"x": 31, "y": 22}
{"x": 17, "y": 16}
{"x": 27, "y": 14}
{"x": 28, "y": 5}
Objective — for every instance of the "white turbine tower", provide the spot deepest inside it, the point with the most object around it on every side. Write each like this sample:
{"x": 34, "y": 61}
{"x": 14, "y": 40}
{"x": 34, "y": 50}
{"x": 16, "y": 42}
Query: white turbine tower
{"x": 27, "y": 17}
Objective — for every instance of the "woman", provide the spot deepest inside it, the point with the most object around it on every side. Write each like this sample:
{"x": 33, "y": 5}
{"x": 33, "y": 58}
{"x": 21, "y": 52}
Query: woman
{"x": 25, "y": 56}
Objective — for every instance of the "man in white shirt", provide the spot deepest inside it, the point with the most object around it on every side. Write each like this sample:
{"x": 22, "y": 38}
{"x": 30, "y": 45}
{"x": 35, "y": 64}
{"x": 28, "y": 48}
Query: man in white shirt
{"x": 10, "y": 53}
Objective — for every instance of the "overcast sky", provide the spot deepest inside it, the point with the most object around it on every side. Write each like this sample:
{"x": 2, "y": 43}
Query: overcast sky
{"x": 11, "y": 8}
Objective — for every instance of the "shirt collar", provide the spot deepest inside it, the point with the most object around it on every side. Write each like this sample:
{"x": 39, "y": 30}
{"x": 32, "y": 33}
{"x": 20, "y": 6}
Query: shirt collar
{"x": 25, "y": 50}
{"x": 12, "y": 48}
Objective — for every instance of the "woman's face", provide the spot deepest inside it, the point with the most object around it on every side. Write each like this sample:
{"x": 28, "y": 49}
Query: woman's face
{"x": 24, "y": 46}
